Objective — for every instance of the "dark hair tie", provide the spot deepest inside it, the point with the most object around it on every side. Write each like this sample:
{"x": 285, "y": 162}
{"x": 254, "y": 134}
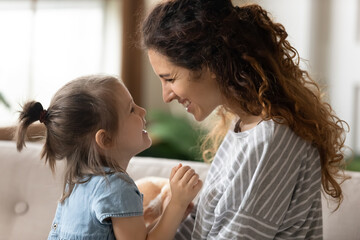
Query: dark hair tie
{"x": 43, "y": 116}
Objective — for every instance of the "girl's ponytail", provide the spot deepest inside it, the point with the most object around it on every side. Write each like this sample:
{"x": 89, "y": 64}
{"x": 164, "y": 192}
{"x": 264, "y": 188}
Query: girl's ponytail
{"x": 32, "y": 112}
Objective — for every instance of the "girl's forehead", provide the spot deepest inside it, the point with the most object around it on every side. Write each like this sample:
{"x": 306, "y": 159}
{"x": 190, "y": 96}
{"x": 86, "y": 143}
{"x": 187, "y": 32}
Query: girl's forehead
{"x": 121, "y": 89}
{"x": 123, "y": 97}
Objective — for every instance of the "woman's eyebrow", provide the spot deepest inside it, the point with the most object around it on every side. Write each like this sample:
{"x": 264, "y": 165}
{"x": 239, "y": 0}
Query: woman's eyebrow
{"x": 164, "y": 75}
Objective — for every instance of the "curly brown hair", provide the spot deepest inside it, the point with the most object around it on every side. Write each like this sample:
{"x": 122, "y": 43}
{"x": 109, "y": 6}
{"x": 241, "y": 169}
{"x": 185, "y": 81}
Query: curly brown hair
{"x": 257, "y": 72}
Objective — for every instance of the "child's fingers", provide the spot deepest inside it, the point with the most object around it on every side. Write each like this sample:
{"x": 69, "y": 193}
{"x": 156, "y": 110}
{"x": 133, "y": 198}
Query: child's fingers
{"x": 188, "y": 174}
{"x": 180, "y": 172}
{"x": 198, "y": 185}
{"x": 174, "y": 170}
{"x": 178, "y": 166}
{"x": 194, "y": 180}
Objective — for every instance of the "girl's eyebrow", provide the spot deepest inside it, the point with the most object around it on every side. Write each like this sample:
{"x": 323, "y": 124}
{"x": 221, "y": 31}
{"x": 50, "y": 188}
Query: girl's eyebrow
{"x": 130, "y": 104}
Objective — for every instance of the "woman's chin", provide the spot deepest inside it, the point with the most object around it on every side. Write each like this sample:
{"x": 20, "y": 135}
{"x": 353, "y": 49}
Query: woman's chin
{"x": 199, "y": 117}
{"x": 200, "y": 114}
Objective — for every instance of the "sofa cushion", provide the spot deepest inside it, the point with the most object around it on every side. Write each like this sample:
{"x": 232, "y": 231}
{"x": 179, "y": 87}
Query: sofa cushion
{"x": 345, "y": 222}
{"x": 28, "y": 193}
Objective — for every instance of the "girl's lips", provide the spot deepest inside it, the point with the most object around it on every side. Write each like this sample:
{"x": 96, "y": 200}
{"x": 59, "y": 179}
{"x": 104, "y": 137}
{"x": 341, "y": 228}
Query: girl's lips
{"x": 144, "y": 127}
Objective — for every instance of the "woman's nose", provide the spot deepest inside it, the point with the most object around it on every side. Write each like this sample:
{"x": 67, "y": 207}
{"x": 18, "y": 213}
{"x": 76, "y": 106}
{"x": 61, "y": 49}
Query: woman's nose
{"x": 167, "y": 93}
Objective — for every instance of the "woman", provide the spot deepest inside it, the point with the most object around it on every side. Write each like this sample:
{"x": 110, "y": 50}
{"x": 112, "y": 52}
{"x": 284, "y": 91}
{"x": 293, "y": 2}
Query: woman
{"x": 277, "y": 143}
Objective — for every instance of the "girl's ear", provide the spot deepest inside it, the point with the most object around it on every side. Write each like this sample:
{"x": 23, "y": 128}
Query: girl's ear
{"x": 103, "y": 140}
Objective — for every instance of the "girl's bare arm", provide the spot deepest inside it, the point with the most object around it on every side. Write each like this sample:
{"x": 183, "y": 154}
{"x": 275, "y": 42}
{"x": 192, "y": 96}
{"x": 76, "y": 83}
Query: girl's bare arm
{"x": 185, "y": 184}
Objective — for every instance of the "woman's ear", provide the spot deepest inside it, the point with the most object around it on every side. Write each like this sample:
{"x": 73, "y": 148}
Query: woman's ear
{"x": 103, "y": 140}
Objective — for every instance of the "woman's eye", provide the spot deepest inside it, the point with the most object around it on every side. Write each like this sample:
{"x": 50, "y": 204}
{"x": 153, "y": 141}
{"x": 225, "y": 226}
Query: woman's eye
{"x": 169, "y": 79}
{"x": 132, "y": 109}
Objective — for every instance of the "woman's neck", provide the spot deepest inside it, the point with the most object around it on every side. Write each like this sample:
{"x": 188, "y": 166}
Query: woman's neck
{"x": 248, "y": 122}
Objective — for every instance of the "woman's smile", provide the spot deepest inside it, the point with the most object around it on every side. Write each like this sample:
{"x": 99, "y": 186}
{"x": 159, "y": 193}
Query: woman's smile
{"x": 198, "y": 93}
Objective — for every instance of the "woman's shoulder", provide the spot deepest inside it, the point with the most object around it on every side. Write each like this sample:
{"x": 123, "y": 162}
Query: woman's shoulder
{"x": 276, "y": 131}
{"x": 280, "y": 140}
{"x": 265, "y": 130}
{"x": 268, "y": 134}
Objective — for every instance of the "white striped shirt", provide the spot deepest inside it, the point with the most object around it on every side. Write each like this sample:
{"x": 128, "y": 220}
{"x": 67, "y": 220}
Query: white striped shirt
{"x": 264, "y": 183}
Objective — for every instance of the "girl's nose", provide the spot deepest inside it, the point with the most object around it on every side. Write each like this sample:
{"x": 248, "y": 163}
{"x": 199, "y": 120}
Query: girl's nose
{"x": 142, "y": 111}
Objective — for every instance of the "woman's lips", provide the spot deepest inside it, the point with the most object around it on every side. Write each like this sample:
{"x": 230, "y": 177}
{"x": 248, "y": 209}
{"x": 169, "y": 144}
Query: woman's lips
{"x": 186, "y": 104}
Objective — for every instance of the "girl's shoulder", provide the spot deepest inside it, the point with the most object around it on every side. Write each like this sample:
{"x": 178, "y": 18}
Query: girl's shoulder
{"x": 117, "y": 179}
{"x": 116, "y": 187}
{"x": 117, "y": 191}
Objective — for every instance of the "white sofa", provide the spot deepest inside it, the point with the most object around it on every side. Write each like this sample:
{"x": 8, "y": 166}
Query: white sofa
{"x": 29, "y": 193}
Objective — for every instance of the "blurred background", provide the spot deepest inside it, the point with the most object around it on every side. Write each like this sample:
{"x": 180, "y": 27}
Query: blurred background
{"x": 46, "y": 43}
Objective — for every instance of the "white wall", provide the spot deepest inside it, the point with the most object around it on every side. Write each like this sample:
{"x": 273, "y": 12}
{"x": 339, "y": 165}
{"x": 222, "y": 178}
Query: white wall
{"x": 153, "y": 92}
{"x": 344, "y": 67}
{"x": 295, "y": 16}
{"x": 43, "y": 49}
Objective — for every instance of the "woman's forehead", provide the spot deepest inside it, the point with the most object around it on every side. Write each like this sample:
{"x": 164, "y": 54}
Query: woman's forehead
{"x": 163, "y": 67}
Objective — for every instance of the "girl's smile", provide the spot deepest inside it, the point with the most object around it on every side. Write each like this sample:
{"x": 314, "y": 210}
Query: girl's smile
{"x": 132, "y": 136}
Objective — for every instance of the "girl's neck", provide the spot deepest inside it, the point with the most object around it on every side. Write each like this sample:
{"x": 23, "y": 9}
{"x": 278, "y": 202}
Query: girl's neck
{"x": 122, "y": 161}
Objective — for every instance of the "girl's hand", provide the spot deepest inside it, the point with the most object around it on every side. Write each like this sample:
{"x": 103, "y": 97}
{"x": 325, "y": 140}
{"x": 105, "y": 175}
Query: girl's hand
{"x": 184, "y": 185}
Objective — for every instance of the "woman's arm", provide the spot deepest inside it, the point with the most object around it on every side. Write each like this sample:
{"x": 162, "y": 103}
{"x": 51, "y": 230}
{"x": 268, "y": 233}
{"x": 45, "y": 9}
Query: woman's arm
{"x": 185, "y": 184}
{"x": 34, "y": 133}
{"x": 7, "y": 133}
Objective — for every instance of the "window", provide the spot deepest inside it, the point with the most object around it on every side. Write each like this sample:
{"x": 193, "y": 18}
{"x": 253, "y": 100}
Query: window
{"x": 46, "y": 43}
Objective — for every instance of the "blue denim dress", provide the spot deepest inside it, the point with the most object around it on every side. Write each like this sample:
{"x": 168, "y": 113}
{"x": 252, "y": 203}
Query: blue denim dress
{"x": 85, "y": 215}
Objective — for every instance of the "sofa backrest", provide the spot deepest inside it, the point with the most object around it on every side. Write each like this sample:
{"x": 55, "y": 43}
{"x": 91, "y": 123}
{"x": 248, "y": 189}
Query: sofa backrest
{"x": 29, "y": 194}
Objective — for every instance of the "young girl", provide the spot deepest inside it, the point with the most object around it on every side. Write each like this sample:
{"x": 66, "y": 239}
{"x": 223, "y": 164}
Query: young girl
{"x": 94, "y": 125}
{"x": 281, "y": 145}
